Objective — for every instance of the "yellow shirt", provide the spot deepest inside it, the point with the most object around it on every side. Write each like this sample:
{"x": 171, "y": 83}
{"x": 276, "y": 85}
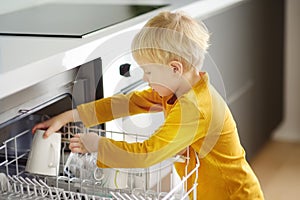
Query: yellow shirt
{"x": 200, "y": 120}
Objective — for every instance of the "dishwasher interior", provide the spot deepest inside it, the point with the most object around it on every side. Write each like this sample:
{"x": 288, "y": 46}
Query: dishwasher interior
{"x": 74, "y": 180}
{"x": 17, "y": 183}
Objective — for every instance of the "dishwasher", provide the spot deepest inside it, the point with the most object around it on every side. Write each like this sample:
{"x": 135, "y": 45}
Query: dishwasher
{"x": 18, "y": 116}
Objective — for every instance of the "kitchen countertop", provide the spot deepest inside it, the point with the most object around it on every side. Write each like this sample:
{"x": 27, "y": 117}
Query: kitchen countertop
{"x": 25, "y": 61}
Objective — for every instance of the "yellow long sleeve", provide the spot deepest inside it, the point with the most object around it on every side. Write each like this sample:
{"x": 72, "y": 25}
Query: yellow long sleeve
{"x": 201, "y": 120}
{"x": 107, "y": 109}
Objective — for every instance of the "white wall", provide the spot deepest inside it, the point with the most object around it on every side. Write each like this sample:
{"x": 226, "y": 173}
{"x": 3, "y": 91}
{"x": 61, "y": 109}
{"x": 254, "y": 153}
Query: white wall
{"x": 290, "y": 128}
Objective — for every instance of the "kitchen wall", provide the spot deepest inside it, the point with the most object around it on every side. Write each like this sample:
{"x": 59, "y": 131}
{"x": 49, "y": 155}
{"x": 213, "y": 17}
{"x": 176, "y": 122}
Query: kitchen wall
{"x": 290, "y": 127}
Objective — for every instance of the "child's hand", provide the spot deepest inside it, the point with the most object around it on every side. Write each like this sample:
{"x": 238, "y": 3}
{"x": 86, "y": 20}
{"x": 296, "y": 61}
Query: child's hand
{"x": 54, "y": 124}
{"x": 84, "y": 143}
{"x": 51, "y": 125}
{"x": 76, "y": 145}
{"x": 182, "y": 152}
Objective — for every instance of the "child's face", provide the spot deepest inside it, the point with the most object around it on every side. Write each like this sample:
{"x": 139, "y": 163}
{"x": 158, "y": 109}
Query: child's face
{"x": 161, "y": 78}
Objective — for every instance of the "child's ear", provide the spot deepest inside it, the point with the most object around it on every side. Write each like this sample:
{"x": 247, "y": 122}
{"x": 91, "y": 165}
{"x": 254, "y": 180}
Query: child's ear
{"x": 176, "y": 66}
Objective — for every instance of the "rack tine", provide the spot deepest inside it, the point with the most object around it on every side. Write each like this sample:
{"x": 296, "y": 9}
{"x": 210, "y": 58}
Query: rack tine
{"x": 64, "y": 195}
{"x": 50, "y": 190}
{"x": 27, "y": 184}
{"x": 124, "y": 196}
{"x": 34, "y": 186}
{"x": 16, "y": 178}
{"x": 141, "y": 198}
{"x": 56, "y": 192}
{"x": 72, "y": 195}
{"x": 14, "y": 183}
{"x": 63, "y": 178}
{"x": 36, "y": 182}
{"x": 44, "y": 184}
{"x": 128, "y": 197}
{"x": 30, "y": 181}
{"x": 41, "y": 187}
{"x": 114, "y": 195}
{"x": 11, "y": 178}
{"x": 134, "y": 197}
{"x": 23, "y": 180}
{"x": 19, "y": 182}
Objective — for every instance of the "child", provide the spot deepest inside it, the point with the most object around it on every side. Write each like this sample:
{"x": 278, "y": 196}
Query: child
{"x": 170, "y": 49}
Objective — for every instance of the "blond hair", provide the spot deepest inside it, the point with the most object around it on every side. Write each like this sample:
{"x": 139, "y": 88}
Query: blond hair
{"x": 172, "y": 36}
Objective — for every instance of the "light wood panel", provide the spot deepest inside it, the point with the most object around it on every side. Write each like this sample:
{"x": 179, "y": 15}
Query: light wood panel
{"x": 278, "y": 169}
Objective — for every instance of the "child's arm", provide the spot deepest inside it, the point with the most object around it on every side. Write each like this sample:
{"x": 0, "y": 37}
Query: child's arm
{"x": 103, "y": 110}
{"x": 107, "y": 109}
{"x": 184, "y": 125}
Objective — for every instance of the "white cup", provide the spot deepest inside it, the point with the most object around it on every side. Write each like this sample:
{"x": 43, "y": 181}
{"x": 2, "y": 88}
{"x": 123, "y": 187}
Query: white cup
{"x": 44, "y": 156}
{"x": 115, "y": 178}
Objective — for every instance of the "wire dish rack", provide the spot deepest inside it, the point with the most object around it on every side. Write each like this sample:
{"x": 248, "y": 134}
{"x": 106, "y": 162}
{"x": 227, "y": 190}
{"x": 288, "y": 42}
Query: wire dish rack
{"x": 156, "y": 182}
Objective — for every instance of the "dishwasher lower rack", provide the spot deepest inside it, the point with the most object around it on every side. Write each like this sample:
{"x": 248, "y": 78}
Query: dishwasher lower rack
{"x": 15, "y": 183}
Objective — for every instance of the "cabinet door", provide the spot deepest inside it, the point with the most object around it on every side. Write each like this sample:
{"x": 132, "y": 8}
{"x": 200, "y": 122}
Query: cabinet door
{"x": 240, "y": 47}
